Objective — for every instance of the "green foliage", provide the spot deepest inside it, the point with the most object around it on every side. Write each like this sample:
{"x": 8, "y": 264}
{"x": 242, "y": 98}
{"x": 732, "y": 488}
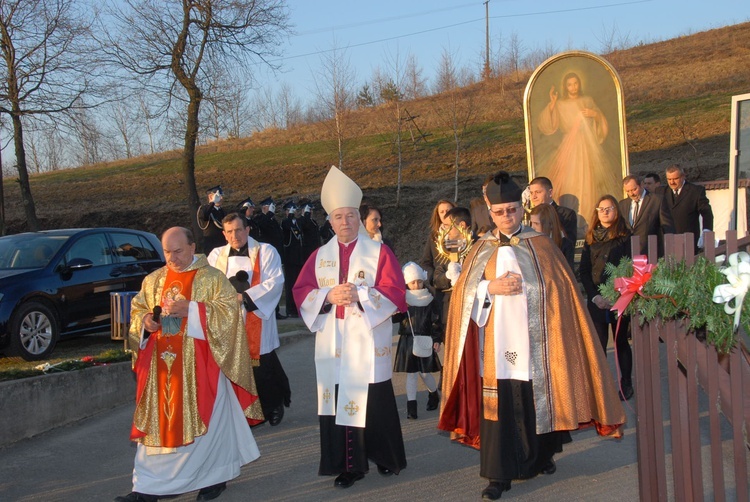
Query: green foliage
{"x": 678, "y": 291}
{"x": 391, "y": 92}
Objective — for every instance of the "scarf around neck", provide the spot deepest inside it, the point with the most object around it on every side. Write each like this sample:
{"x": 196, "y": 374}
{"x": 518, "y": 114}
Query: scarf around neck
{"x": 418, "y": 297}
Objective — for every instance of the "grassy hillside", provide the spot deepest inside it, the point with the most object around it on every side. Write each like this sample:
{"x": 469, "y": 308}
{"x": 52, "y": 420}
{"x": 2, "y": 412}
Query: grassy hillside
{"x": 677, "y": 97}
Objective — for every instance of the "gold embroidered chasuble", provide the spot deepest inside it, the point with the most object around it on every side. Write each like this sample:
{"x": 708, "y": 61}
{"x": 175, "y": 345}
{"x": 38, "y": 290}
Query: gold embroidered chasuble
{"x": 221, "y": 324}
{"x": 572, "y": 383}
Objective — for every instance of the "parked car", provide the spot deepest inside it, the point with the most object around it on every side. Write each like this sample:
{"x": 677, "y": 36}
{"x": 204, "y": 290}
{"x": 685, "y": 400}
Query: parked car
{"x": 58, "y": 282}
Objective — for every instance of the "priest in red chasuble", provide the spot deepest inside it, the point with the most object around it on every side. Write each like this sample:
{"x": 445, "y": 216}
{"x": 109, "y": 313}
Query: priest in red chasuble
{"x": 195, "y": 390}
{"x": 523, "y": 364}
{"x": 346, "y": 292}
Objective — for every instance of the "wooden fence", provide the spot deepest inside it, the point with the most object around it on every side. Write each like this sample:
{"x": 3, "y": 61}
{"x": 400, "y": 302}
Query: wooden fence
{"x": 699, "y": 383}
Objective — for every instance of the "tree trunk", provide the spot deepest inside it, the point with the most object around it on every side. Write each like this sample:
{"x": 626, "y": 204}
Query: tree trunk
{"x": 23, "y": 175}
{"x": 3, "y": 228}
{"x": 458, "y": 154}
{"x": 339, "y": 138}
{"x": 398, "y": 148}
{"x": 188, "y": 162}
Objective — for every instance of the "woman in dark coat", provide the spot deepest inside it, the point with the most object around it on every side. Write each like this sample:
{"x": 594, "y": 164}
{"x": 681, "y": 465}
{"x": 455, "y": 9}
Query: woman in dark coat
{"x": 431, "y": 258}
{"x": 607, "y": 241}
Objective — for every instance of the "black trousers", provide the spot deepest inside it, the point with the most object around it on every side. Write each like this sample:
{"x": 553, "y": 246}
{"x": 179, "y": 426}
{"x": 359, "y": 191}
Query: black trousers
{"x": 622, "y": 347}
{"x": 272, "y": 383}
{"x": 291, "y": 272}
{"x": 348, "y": 449}
{"x": 510, "y": 448}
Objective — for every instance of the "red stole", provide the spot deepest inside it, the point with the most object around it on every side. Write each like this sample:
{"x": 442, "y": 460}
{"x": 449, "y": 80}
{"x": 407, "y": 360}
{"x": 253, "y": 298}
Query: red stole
{"x": 253, "y": 323}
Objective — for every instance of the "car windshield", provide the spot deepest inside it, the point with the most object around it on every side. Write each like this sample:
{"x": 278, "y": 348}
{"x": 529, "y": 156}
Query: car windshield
{"x": 29, "y": 251}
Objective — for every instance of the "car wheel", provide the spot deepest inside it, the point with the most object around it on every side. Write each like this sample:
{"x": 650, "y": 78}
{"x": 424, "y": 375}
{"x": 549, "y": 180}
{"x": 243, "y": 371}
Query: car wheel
{"x": 34, "y": 331}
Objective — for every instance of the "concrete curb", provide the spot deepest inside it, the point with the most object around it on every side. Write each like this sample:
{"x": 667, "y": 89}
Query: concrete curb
{"x": 38, "y": 404}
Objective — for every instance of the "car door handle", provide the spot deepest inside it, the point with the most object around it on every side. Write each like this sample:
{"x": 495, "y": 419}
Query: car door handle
{"x": 116, "y": 272}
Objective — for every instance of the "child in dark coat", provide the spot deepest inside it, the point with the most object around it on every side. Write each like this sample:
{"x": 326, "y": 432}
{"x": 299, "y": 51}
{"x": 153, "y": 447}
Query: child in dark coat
{"x": 417, "y": 321}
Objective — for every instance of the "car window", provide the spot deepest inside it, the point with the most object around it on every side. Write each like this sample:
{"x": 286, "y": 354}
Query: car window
{"x": 92, "y": 247}
{"x": 132, "y": 247}
{"x": 29, "y": 251}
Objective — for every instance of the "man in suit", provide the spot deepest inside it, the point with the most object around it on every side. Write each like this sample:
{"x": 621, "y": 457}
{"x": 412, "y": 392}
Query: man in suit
{"x": 540, "y": 192}
{"x": 293, "y": 256}
{"x": 687, "y": 203}
{"x": 209, "y": 219}
{"x": 645, "y": 213}
{"x": 652, "y": 183}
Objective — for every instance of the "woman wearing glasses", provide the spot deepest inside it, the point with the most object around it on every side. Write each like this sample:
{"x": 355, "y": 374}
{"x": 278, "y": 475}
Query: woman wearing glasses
{"x": 607, "y": 241}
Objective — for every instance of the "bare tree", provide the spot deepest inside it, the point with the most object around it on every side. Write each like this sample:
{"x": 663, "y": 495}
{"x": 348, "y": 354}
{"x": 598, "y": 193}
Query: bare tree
{"x": 44, "y": 69}
{"x": 415, "y": 85}
{"x": 47, "y": 144}
{"x": 539, "y": 55}
{"x": 173, "y": 43}
{"x": 263, "y": 110}
{"x": 125, "y": 118}
{"x": 237, "y": 112}
{"x": 289, "y": 106}
{"x": 611, "y": 39}
{"x": 514, "y": 55}
{"x": 391, "y": 93}
{"x": 457, "y": 108}
{"x": 147, "y": 120}
{"x": 334, "y": 88}
{"x": 88, "y": 134}
{"x": 225, "y": 96}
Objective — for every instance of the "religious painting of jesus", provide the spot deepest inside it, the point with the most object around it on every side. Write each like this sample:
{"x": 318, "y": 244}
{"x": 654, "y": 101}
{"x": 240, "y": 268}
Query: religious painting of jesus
{"x": 575, "y": 130}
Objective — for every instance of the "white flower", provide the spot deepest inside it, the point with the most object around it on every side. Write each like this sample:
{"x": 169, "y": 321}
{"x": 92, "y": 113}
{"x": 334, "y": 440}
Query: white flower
{"x": 738, "y": 275}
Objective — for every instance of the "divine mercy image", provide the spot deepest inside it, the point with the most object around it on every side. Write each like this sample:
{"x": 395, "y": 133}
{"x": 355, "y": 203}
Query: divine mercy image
{"x": 574, "y": 116}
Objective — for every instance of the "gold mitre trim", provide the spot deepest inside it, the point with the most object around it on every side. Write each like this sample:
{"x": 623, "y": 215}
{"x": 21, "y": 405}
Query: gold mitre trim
{"x": 339, "y": 191}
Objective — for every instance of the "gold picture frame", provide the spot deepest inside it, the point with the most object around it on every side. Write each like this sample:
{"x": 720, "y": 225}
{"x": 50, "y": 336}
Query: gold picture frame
{"x": 576, "y": 135}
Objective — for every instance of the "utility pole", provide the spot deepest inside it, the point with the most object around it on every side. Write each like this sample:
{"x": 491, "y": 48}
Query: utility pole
{"x": 487, "y": 40}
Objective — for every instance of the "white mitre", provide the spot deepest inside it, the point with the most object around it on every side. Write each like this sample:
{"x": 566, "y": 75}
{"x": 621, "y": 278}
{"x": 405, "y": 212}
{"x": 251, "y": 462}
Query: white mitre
{"x": 339, "y": 191}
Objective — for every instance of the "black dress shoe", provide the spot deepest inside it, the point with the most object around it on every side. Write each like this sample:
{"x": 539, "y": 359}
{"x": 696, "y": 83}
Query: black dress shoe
{"x": 137, "y": 497}
{"x": 549, "y": 468}
{"x": 211, "y": 492}
{"x": 276, "y": 415}
{"x": 384, "y": 471}
{"x": 347, "y": 479}
{"x": 280, "y": 317}
{"x": 626, "y": 393}
{"x": 495, "y": 489}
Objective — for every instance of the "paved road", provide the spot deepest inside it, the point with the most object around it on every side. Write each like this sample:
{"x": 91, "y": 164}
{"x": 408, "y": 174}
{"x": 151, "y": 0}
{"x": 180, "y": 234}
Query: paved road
{"x": 92, "y": 460}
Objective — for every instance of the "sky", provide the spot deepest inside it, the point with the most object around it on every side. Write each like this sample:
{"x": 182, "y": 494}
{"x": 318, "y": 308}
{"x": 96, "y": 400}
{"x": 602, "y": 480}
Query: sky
{"x": 370, "y": 32}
